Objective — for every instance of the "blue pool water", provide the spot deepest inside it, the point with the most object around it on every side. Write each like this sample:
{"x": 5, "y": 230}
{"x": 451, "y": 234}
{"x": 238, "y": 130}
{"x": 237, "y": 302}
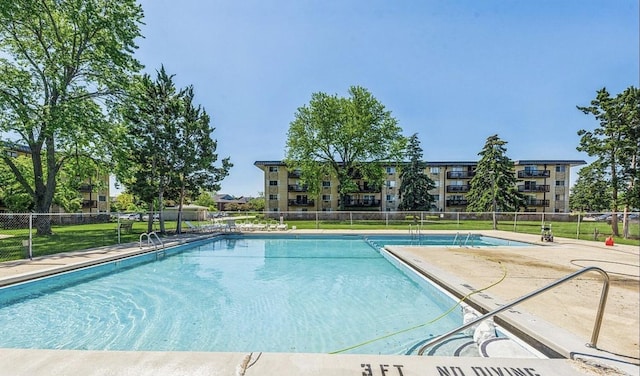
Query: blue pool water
{"x": 235, "y": 293}
{"x": 445, "y": 240}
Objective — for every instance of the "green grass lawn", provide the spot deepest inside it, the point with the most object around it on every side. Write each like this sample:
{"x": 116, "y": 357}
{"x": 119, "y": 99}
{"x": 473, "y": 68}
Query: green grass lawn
{"x": 78, "y": 237}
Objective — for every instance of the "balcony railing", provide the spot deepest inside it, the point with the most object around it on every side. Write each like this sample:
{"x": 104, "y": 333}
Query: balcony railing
{"x": 534, "y": 202}
{"x": 85, "y": 188}
{"x": 369, "y": 189}
{"x": 301, "y": 203}
{"x": 456, "y": 202}
{"x": 294, "y": 174}
{"x": 297, "y": 188}
{"x": 534, "y": 174}
{"x": 88, "y": 204}
{"x": 535, "y": 188}
{"x": 457, "y": 188}
{"x": 361, "y": 203}
{"x": 460, "y": 174}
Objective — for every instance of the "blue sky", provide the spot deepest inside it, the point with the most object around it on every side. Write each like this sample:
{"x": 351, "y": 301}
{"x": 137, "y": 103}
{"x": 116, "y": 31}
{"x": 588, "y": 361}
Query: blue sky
{"x": 454, "y": 71}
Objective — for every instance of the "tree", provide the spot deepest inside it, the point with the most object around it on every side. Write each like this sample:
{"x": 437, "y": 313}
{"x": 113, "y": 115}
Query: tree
{"x": 192, "y": 155}
{"x": 206, "y": 199}
{"x": 616, "y": 145}
{"x": 345, "y": 138}
{"x": 169, "y": 150}
{"x": 591, "y": 192}
{"x": 62, "y": 63}
{"x": 415, "y": 186}
{"x": 493, "y": 187}
{"x": 149, "y": 116}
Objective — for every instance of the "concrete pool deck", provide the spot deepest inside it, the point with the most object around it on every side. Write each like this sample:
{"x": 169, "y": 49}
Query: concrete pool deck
{"x": 562, "y": 318}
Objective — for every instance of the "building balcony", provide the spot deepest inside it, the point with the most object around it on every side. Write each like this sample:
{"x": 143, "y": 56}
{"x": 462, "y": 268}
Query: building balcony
{"x": 456, "y": 202}
{"x": 460, "y": 174}
{"x": 538, "y": 203}
{"x": 534, "y": 174}
{"x": 89, "y": 204}
{"x": 297, "y": 188}
{"x": 536, "y": 188}
{"x": 361, "y": 203}
{"x": 294, "y": 174}
{"x": 304, "y": 203}
{"x": 86, "y": 188}
{"x": 457, "y": 188}
{"x": 368, "y": 189}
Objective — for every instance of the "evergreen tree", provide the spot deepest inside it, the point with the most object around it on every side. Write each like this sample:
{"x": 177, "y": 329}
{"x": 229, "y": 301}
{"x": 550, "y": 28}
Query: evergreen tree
{"x": 616, "y": 145}
{"x": 591, "y": 192}
{"x": 415, "y": 186}
{"x": 493, "y": 187}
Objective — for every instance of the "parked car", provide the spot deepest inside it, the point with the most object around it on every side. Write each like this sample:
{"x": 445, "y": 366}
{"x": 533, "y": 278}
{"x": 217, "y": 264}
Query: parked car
{"x": 156, "y": 217}
{"x": 130, "y": 217}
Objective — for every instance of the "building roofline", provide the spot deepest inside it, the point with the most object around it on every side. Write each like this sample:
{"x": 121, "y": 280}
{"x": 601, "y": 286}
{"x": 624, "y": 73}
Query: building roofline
{"x": 521, "y": 162}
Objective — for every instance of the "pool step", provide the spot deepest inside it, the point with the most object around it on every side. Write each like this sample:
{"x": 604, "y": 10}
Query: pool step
{"x": 458, "y": 345}
{"x": 464, "y": 346}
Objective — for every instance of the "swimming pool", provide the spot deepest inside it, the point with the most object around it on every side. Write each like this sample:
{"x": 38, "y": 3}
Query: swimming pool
{"x": 235, "y": 293}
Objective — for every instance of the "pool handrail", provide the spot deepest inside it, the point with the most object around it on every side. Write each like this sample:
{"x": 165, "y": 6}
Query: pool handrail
{"x": 599, "y": 315}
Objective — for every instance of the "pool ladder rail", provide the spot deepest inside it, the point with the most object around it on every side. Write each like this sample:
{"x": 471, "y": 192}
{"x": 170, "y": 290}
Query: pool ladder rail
{"x": 466, "y": 240}
{"x": 594, "y": 334}
{"x": 151, "y": 241}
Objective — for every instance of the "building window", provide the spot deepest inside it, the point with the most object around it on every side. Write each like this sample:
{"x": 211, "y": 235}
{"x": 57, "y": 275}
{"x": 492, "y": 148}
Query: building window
{"x": 326, "y": 184}
{"x": 273, "y": 197}
{"x": 436, "y": 198}
{"x": 273, "y": 183}
{"x": 559, "y": 183}
{"x": 273, "y": 168}
{"x": 561, "y": 168}
{"x": 558, "y": 197}
{"x": 326, "y": 198}
{"x": 12, "y": 154}
{"x": 434, "y": 170}
{"x": 531, "y": 169}
{"x": 436, "y": 183}
{"x": 102, "y": 198}
{"x": 391, "y": 198}
{"x": 391, "y": 170}
{"x": 391, "y": 183}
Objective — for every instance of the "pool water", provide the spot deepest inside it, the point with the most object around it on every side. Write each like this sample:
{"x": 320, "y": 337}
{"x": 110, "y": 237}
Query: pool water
{"x": 314, "y": 295}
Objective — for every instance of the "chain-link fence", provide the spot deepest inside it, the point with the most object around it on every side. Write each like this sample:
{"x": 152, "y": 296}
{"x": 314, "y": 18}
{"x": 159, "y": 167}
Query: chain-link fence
{"x": 25, "y": 235}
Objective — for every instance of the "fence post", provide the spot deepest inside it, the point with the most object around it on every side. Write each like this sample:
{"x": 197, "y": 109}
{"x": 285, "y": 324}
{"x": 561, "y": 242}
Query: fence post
{"x": 118, "y": 227}
{"x": 351, "y": 218}
{"x": 317, "y": 223}
{"x": 30, "y": 236}
{"x": 578, "y": 227}
{"x": 515, "y": 221}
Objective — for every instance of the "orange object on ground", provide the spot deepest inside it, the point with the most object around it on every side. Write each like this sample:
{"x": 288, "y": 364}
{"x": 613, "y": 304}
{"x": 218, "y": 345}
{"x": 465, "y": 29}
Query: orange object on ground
{"x": 609, "y": 241}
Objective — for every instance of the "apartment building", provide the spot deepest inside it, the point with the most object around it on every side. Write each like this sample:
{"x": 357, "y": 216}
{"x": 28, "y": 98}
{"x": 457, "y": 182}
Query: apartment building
{"x": 545, "y": 183}
{"x": 94, "y": 191}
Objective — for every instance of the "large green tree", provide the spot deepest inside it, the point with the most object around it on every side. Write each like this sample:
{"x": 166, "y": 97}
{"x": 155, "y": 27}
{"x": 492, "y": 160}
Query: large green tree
{"x": 169, "y": 151}
{"x": 62, "y": 64}
{"x": 344, "y": 138}
{"x": 615, "y": 143}
{"x": 415, "y": 185}
{"x": 591, "y": 192}
{"x": 193, "y": 155}
{"x": 493, "y": 187}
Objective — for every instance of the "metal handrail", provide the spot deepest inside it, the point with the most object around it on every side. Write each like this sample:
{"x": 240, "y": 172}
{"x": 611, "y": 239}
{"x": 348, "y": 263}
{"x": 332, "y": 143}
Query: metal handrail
{"x": 599, "y": 315}
{"x": 149, "y": 241}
